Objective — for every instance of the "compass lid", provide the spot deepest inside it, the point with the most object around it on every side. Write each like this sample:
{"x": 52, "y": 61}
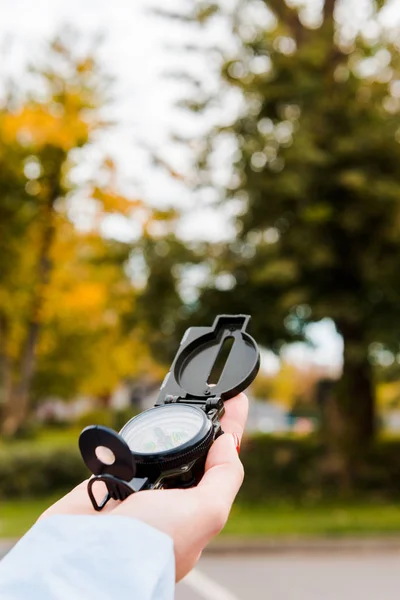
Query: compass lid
{"x": 218, "y": 361}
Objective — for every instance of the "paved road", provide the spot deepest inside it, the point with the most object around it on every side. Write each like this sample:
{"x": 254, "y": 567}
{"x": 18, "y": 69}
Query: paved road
{"x": 368, "y": 575}
{"x": 4, "y": 547}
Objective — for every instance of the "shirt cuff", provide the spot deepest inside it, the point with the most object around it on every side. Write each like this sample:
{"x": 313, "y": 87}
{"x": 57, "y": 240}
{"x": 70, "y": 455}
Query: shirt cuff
{"x": 99, "y": 557}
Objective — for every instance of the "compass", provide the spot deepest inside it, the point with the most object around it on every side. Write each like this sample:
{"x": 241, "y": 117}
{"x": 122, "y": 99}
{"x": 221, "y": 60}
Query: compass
{"x": 167, "y": 445}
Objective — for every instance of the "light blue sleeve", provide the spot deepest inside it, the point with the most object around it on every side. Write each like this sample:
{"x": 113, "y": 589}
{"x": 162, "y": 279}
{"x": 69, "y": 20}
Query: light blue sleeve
{"x": 68, "y": 557}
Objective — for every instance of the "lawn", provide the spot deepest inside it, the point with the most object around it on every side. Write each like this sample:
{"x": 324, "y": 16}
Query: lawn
{"x": 46, "y": 438}
{"x": 18, "y": 516}
{"x": 273, "y": 519}
{"x": 288, "y": 520}
{"x": 279, "y": 520}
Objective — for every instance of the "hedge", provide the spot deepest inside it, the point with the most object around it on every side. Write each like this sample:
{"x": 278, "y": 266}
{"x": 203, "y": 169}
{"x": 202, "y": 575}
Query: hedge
{"x": 37, "y": 472}
{"x": 276, "y": 468}
{"x": 300, "y": 469}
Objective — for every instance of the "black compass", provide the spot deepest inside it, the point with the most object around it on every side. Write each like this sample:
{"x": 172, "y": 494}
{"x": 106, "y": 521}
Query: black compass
{"x": 167, "y": 445}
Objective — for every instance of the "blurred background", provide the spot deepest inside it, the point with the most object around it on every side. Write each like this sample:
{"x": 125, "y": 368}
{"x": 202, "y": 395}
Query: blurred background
{"x": 159, "y": 166}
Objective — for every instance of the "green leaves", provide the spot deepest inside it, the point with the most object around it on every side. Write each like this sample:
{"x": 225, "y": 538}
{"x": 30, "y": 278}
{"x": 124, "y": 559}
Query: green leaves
{"x": 318, "y": 165}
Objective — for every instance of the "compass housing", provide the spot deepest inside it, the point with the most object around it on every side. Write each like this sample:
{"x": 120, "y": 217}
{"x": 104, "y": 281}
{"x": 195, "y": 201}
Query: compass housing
{"x": 167, "y": 437}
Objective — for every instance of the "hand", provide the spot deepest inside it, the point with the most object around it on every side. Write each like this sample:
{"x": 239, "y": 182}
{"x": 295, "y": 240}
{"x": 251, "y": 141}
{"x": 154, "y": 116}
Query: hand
{"x": 190, "y": 517}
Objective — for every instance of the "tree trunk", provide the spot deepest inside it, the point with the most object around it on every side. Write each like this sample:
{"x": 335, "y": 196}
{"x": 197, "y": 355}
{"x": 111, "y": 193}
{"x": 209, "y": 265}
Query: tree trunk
{"x": 355, "y": 401}
{"x": 16, "y": 402}
{"x": 5, "y": 363}
{"x": 17, "y": 396}
{"x": 329, "y": 9}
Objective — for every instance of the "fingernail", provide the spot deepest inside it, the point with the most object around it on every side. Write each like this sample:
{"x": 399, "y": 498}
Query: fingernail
{"x": 237, "y": 442}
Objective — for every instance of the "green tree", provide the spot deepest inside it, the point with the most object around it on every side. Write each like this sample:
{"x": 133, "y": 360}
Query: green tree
{"x": 160, "y": 310}
{"x": 315, "y": 184}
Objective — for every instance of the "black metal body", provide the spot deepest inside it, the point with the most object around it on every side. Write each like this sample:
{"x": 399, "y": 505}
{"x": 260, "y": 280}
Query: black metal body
{"x": 186, "y": 383}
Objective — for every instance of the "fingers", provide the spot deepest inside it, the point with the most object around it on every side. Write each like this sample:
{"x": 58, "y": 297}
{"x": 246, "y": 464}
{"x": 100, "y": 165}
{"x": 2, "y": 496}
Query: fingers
{"x": 232, "y": 422}
{"x": 221, "y": 482}
{"x": 223, "y": 467}
{"x": 223, "y": 470}
{"x": 236, "y": 410}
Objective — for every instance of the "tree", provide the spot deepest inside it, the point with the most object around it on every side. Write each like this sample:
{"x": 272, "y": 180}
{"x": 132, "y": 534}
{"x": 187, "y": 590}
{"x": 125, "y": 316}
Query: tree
{"x": 85, "y": 346}
{"x": 315, "y": 185}
{"x": 160, "y": 308}
{"x": 61, "y": 292}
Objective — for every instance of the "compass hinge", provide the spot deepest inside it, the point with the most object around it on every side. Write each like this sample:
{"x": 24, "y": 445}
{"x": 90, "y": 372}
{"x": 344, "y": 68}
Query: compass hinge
{"x": 216, "y": 404}
{"x": 207, "y": 404}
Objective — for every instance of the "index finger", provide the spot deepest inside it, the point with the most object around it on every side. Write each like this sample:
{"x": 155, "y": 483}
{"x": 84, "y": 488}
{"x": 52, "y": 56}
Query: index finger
{"x": 235, "y": 417}
{"x": 223, "y": 469}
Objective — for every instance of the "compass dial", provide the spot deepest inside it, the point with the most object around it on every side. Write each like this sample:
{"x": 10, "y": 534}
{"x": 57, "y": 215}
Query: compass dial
{"x": 165, "y": 428}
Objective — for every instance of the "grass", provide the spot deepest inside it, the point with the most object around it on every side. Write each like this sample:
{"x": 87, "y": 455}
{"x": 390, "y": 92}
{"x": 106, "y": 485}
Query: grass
{"x": 46, "y": 438}
{"x": 288, "y": 520}
{"x": 279, "y": 520}
{"x": 17, "y": 516}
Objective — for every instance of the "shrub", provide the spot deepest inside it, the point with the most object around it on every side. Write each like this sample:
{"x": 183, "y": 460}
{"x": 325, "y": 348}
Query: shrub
{"x": 115, "y": 419}
{"x": 32, "y": 471}
{"x": 299, "y": 469}
{"x": 95, "y": 417}
{"x": 277, "y": 468}
{"x": 28, "y": 468}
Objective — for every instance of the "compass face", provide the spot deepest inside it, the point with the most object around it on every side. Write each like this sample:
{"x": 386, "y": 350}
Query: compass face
{"x": 165, "y": 428}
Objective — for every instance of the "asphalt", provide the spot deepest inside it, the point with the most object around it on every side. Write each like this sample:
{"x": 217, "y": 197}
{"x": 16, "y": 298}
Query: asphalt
{"x": 295, "y": 576}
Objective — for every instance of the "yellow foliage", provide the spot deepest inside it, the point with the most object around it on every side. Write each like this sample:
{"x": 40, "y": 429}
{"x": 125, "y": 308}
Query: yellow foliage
{"x": 78, "y": 289}
{"x": 87, "y": 296}
{"x": 285, "y": 384}
{"x": 118, "y": 357}
{"x": 67, "y": 301}
{"x": 388, "y": 395}
{"x": 112, "y": 202}
{"x": 36, "y": 126}
{"x": 85, "y": 301}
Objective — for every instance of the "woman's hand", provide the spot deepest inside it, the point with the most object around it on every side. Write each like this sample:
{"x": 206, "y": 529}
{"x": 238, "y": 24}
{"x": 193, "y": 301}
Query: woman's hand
{"x": 190, "y": 517}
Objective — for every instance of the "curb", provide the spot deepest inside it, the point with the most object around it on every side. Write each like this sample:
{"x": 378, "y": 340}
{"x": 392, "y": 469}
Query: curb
{"x": 236, "y": 545}
{"x": 6, "y": 545}
{"x": 229, "y": 545}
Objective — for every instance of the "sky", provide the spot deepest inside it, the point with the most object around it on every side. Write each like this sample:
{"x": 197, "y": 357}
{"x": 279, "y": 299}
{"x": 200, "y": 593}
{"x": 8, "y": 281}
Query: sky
{"x": 137, "y": 50}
